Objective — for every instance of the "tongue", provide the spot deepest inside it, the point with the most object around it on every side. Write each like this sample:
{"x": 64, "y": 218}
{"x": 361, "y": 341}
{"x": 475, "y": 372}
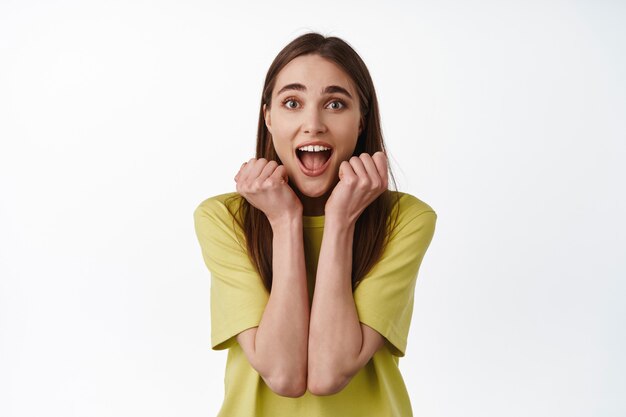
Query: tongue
{"x": 314, "y": 160}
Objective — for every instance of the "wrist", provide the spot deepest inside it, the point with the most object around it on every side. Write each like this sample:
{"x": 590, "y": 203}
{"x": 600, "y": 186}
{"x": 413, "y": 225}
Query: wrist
{"x": 286, "y": 220}
{"x": 339, "y": 223}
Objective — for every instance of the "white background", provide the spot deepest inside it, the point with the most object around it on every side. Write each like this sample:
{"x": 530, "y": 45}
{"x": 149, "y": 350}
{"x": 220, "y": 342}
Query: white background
{"x": 118, "y": 117}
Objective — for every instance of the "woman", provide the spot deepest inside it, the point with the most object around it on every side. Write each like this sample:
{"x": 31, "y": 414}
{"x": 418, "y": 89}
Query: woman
{"x": 313, "y": 260}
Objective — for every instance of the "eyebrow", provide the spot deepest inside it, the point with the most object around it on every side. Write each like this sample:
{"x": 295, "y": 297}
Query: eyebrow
{"x": 328, "y": 90}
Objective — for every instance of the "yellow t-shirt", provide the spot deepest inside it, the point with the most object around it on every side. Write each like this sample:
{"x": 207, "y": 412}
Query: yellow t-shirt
{"x": 384, "y": 302}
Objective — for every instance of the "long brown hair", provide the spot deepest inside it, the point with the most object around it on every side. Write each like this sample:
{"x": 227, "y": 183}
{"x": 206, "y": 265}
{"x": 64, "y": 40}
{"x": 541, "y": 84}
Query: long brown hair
{"x": 370, "y": 232}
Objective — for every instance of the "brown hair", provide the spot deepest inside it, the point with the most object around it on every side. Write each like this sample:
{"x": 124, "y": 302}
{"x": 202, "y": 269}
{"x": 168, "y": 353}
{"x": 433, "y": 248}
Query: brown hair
{"x": 370, "y": 233}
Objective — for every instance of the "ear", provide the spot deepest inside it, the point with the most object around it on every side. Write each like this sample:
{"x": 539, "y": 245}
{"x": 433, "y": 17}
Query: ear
{"x": 266, "y": 116}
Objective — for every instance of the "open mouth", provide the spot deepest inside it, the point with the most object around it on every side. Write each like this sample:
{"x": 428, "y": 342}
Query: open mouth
{"x": 314, "y": 162}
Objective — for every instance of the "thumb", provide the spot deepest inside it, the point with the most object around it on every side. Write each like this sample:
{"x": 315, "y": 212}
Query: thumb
{"x": 342, "y": 167}
{"x": 282, "y": 172}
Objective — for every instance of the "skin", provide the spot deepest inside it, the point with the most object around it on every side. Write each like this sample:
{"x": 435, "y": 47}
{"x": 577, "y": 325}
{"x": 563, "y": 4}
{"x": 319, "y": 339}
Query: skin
{"x": 295, "y": 348}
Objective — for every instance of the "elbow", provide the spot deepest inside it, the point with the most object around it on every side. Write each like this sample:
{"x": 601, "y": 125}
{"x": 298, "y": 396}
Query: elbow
{"x": 327, "y": 385}
{"x": 286, "y": 386}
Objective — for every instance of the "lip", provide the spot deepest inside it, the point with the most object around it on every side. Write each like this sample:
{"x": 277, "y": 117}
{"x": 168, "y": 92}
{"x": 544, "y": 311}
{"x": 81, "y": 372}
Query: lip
{"x": 320, "y": 170}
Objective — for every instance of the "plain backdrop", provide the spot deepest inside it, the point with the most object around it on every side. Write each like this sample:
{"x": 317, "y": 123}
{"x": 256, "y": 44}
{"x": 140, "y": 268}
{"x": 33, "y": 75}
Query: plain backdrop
{"x": 117, "y": 118}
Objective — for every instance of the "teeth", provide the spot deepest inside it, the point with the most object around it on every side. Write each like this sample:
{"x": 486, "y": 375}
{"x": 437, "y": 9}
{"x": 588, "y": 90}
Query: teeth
{"x": 313, "y": 148}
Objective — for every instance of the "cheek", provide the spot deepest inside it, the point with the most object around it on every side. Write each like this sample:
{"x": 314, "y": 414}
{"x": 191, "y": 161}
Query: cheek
{"x": 278, "y": 134}
{"x": 282, "y": 147}
{"x": 282, "y": 138}
{"x": 348, "y": 130}
{"x": 349, "y": 138}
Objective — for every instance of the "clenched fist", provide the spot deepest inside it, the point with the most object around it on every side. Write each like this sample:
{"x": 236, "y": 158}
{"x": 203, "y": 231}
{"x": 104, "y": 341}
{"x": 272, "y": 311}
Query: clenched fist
{"x": 361, "y": 181}
{"x": 265, "y": 185}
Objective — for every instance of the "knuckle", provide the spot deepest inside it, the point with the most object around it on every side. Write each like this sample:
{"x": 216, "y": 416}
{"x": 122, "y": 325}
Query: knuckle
{"x": 365, "y": 183}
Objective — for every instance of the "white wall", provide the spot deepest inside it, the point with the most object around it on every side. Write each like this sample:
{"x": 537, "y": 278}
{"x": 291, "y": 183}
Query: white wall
{"x": 118, "y": 117}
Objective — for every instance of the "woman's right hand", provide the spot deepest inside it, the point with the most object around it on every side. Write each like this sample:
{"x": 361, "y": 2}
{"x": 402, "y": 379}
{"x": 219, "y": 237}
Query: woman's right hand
{"x": 265, "y": 185}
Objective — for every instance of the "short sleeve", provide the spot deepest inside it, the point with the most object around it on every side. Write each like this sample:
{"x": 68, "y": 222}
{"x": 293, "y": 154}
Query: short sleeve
{"x": 384, "y": 297}
{"x": 238, "y": 296}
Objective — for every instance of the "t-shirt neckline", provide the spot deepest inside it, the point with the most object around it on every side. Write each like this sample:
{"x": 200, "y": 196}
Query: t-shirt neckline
{"x": 313, "y": 221}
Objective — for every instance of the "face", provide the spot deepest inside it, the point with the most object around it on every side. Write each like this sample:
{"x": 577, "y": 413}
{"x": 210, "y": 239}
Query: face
{"x": 314, "y": 102}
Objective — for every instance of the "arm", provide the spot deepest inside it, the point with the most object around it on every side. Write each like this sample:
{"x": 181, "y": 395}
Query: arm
{"x": 339, "y": 345}
{"x": 277, "y": 348}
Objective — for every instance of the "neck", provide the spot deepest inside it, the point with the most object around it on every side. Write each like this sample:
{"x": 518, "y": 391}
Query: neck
{"x": 313, "y": 206}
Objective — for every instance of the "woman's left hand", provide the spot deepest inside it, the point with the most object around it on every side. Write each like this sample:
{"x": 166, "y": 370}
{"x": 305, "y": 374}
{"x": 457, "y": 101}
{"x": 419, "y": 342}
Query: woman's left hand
{"x": 361, "y": 181}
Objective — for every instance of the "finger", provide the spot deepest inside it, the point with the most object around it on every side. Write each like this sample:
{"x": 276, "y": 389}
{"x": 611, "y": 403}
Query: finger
{"x": 371, "y": 169}
{"x": 380, "y": 160}
{"x": 254, "y": 168}
{"x": 244, "y": 172}
{"x": 359, "y": 169}
{"x": 346, "y": 172}
{"x": 280, "y": 174}
{"x": 239, "y": 172}
{"x": 267, "y": 170}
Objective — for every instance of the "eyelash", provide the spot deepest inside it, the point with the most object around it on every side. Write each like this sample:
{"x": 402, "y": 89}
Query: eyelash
{"x": 288, "y": 99}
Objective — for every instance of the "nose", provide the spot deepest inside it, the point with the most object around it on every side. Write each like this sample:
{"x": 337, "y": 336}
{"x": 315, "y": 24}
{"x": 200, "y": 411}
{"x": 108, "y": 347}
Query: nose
{"x": 313, "y": 121}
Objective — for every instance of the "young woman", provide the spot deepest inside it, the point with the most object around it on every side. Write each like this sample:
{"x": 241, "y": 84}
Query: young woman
{"x": 313, "y": 259}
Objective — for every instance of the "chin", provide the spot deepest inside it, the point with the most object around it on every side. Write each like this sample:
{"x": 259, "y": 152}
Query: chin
{"x": 313, "y": 190}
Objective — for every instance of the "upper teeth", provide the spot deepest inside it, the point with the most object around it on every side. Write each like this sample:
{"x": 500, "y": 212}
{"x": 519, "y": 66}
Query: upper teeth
{"x": 313, "y": 148}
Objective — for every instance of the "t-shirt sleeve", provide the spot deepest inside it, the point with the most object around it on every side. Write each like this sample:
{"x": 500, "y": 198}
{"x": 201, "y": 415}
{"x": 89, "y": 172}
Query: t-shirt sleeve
{"x": 384, "y": 297}
{"x": 238, "y": 296}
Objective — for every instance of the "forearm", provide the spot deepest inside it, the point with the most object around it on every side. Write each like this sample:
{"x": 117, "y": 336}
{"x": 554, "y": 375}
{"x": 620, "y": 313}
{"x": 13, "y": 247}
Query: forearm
{"x": 335, "y": 336}
{"x": 282, "y": 335}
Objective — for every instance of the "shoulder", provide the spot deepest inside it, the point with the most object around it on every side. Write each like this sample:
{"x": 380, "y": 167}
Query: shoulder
{"x": 409, "y": 206}
{"x": 219, "y": 215}
{"x": 410, "y": 215}
{"x": 219, "y": 206}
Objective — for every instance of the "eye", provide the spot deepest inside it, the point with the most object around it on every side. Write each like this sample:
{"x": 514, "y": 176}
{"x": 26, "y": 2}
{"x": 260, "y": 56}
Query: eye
{"x": 338, "y": 102}
{"x": 288, "y": 100}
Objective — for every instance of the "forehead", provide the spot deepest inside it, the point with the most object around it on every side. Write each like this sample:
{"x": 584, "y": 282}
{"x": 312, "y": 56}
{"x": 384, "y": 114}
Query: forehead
{"x": 315, "y": 73}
